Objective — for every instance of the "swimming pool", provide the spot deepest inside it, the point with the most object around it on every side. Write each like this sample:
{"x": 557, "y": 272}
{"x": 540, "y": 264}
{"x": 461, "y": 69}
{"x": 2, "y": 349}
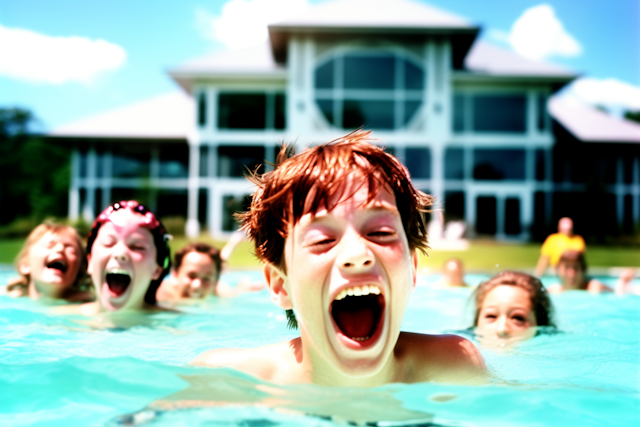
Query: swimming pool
{"x": 55, "y": 371}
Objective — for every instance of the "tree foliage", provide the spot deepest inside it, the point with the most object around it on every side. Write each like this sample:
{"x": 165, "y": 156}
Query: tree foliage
{"x": 632, "y": 115}
{"x": 34, "y": 172}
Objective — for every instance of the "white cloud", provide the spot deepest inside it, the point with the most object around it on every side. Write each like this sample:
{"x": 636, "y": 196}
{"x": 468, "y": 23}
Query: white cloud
{"x": 538, "y": 34}
{"x": 244, "y": 23}
{"x": 616, "y": 95}
{"x": 39, "y": 58}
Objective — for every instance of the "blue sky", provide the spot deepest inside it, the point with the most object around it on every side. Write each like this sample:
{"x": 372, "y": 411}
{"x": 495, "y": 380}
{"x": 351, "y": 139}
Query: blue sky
{"x": 122, "y": 49}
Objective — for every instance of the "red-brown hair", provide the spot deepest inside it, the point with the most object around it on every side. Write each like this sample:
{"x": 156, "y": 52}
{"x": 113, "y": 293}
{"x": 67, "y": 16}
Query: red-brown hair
{"x": 302, "y": 183}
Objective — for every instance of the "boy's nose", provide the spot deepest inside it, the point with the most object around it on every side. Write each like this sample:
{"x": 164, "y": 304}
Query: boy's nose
{"x": 356, "y": 256}
{"x": 196, "y": 283}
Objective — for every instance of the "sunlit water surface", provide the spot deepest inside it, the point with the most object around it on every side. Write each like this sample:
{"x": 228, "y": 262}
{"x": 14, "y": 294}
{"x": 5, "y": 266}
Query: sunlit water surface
{"x": 55, "y": 371}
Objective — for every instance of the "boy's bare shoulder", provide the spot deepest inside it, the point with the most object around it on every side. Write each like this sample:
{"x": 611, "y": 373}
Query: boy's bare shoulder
{"x": 268, "y": 363}
{"x": 442, "y": 358}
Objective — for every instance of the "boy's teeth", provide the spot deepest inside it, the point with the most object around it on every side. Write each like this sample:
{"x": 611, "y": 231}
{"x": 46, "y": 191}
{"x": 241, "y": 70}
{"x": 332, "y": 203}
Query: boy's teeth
{"x": 358, "y": 291}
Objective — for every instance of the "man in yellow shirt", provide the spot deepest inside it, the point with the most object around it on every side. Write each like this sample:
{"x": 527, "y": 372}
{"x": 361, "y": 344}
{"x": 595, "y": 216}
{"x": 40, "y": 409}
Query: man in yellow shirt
{"x": 557, "y": 243}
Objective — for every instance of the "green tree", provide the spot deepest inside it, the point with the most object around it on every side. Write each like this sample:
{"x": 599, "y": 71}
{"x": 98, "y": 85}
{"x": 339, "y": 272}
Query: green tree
{"x": 632, "y": 115}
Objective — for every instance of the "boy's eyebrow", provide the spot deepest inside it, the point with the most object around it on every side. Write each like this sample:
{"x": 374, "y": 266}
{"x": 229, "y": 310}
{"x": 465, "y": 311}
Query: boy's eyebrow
{"x": 382, "y": 208}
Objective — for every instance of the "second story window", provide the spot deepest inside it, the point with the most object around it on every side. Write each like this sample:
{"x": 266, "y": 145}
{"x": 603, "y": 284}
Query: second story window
{"x": 255, "y": 110}
{"x": 378, "y": 90}
{"x": 489, "y": 112}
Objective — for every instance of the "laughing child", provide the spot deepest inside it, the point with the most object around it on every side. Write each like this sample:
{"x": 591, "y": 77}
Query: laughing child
{"x": 338, "y": 227}
{"x": 128, "y": 256}
{"x": 51, "y": 265}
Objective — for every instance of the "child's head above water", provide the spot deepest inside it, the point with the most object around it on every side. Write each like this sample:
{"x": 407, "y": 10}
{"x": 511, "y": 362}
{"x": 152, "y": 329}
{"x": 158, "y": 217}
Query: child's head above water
{"x": 510, "y": 306}
{"x": 571, "y": 270}
{"x": 338, "y": 226}
{"x": 128, "y": 256}
{"x": 197, "y": 270}
{"x": 51, "y": 263}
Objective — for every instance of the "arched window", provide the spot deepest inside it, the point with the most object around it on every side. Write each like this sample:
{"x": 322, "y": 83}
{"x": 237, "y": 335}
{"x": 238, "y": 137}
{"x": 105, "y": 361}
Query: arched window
{"x": 378, "y": 90}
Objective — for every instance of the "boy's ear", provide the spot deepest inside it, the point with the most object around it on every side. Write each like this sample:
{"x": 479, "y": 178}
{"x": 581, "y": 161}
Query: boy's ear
{"x": 275, "y": 282}
{"x": 156, "y": 274}
{"x": 414, "y": 269}
{"x": 24, "y": 269}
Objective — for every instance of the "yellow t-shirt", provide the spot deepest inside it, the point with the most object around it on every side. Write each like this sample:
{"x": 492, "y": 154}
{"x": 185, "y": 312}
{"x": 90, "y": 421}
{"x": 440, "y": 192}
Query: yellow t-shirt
{"x": 557, "y": 243}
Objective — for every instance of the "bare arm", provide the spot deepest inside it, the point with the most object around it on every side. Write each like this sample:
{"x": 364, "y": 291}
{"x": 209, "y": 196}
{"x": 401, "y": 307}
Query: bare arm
{"x": 541, "y": 267}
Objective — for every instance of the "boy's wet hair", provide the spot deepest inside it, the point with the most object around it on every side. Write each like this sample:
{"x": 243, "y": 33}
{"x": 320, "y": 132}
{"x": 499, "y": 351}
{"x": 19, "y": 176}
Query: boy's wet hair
{"x": 202, "y": 248}
{"x": 22, "y": 283}
{"x": 540, "y": 301}
{"x": 304, "y": 182}
{"x": 316, "y": 178}
{"x": 151, "y": 223}
{"x": 574, "y": 256}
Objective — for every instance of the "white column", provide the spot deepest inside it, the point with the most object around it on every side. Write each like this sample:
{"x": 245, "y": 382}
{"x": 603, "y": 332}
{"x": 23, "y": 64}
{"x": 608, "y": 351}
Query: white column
{"x": 500, "y": 208}
{"x": 74, "y": 191}
{"x": 192, "y": 228}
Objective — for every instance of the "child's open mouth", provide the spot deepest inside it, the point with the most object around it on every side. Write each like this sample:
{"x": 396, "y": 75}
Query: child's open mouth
{"x": 357, "y": 311}
{"x": 118, "y": 282}
{"x": 59, "y": 265}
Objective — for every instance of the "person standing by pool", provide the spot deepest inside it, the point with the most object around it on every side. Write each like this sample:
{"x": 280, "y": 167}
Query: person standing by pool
{"x": 338, "y": 227}
{"x": 196, "y": 275}
{"x": 52, "y": 265}
{"x": 556, "y": 243}
{"x": 509, "y": 308}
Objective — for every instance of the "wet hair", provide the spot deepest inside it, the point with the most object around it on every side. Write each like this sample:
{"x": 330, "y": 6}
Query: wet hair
{"x": 151, "y": 223}
{"x": 574, "y": 256}
{"x": 202, "y": 248}
{"x": 316, "y": 177}
{"x": 540, "y": 302}
{"x": 80, "y": 285}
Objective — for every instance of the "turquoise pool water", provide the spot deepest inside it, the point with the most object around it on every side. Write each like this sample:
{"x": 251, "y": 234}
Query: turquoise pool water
{"x": 54, "y": 371}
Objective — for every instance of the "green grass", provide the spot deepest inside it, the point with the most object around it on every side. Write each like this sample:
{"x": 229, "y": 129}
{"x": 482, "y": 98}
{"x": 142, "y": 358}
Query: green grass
{"x": 484, "y": 256}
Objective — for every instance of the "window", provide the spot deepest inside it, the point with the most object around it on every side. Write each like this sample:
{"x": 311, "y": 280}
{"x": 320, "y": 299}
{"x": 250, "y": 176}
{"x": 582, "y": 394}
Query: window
{"x": 542, "y": 112}
{"x": 498, "y": 164}
{"x": 202, "y": 109}
{"x": 130, "y": 165}
{"x": 486, "y": 215}
{"x": 251, "y": 110}
{"x": 454, "y": 163}
{"x": 204, "y": 160}
{"x": 453, "y": 205}
{"x": 418, "y": 161}
{"x": 230, "y": 206}
{"x": 489, "y": 113}
{"x": 174, "y": 161}
{"x": 350, "y": 95}
{"x": 540, "y": 165}
{"x": 512, "y": 216}
{"x": 233, "y": 161}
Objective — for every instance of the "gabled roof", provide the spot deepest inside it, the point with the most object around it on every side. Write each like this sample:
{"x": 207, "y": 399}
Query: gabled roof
{"x": 254, "y": 61}
{"x": 591, "y": 125}
{"x": 487, "y": 59}
{"x": 169, "y": 116}
{"x": 375, "y": 17}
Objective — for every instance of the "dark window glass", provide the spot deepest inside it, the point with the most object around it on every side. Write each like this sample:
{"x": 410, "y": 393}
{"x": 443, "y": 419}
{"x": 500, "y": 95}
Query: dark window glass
{"x": 172, "y": 203}
{"x": 410, "y": 108}
{"x": 418, "y": 161}
{"x": 233, "y": 161}
{"x": 541, "y": 157}
{"x": 512, "y": 216}
{"x": 230, "y": 206}
{"x": 204, "y": 161}
{"x": 241, "y": 111}
{"x": 369, "y": 72}
{"x": 280, "y": 113}
{"x": 130, "y": 165}
{"x": 324, "y": 75}
{"x": 486, "y": 215}
{"x": 82, "y": 164}
{"x": 371, "y": 114}
{"x": 458, "y": 113}
{"x": 627, "y": 169}
{"x": 492, "y": 164}
{"x": 538, "y": 230}
{"x": 627, "y": 214}
{"x": 542, "y": 112}
{"x": 454, "y": 163}
{"x": 202, "y": 206}
{"x": 454, "y": 205}
{"x": 174, "y": 161}
{"x": 413, "y": 76}
{"x": 326, "y": 106}
{"x": 499, "y": 113}
{"x": 202, "y": 109}
{"x": 99, "y": 165}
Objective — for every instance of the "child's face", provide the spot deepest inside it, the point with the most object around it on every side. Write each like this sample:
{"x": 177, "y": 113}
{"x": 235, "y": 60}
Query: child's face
{"x": 571, "y": 274}
{"x": 196, "y": 275}
{"x": 53, "y": 263}
{"x": 122, "y": 262}
{"x": 506, "y": 315}
{"x": 349, "y": 278}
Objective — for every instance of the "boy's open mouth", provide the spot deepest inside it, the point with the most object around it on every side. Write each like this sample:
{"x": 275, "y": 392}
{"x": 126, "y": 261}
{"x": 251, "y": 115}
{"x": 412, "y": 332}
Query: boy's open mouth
{"x": 57, "y": 265}
{"x": 357, "y": 311}
{"x": 118, "y": 282}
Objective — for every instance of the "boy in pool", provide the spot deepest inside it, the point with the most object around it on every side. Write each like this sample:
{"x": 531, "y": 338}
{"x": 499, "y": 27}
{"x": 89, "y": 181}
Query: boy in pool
{"x": 338, "y": 227}
{"x": 572, "y": 269}
{"x": 52, "y": 265}
{"x": 128, "y": 256}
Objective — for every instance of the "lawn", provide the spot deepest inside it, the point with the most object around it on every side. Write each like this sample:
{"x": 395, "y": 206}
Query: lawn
{"x": 482, "y": 256}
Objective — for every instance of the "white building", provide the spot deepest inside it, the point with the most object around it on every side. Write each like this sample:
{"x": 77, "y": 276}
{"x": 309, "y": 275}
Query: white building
{"x": 468, "y": 119}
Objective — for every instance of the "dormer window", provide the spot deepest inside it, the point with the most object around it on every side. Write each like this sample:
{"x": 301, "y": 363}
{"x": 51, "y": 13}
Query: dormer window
{"x": 377, "y": 90}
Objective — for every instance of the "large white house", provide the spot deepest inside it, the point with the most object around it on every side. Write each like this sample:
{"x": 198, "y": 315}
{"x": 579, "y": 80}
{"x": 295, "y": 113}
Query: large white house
{"x": 468, "y": 119}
